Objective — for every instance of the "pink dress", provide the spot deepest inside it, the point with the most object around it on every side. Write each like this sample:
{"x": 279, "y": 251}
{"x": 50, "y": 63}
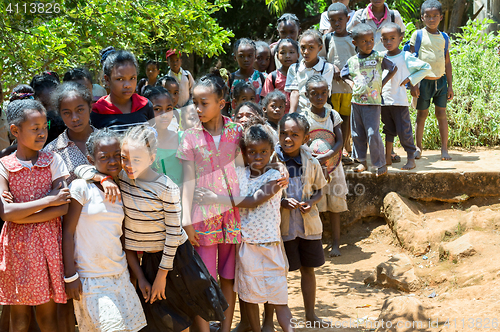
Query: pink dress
{"x": 31, "y": 265}
{"x": 215, "y": 170}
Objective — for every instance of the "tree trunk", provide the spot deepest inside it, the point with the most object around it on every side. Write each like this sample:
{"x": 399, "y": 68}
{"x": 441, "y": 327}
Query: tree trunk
{"x": 457, "y": 15}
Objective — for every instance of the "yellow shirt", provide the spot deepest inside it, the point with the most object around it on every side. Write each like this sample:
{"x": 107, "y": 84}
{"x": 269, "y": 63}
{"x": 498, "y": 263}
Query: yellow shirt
{"x": 431, "y": 51}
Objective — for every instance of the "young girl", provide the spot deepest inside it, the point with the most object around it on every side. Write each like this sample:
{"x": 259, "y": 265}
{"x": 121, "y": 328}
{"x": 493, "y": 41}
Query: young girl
{"x": 288, "y": 54}
{"x": 182, "y": 287}
{"x": 247, "y": 111}
{"x": 169, "y": 83}
{"x": 152, "y": 72}
{"x": 189, "y": 118}
{"x": 261, "y": 268}
{"x": 122, "y": 108}
{"x": 243, "y": 92}
{"x": 209, "y": 155}
{"x": 262, "y": 57}
{"x": 274, "y": 108}
{"x": 182, "y": 76}
{"x": 288, "y": 28}
{"x": 301, "y": 227}
{"x": 244, "y": 53}
{"x": 321, "y": 116}
{"x": 30, "y": 243}
{"x": 310, "y": 43}
{"x": 93, "y": 255}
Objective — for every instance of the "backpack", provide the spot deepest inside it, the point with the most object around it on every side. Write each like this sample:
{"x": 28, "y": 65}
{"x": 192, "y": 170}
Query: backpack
{"x": 418, "y": 41}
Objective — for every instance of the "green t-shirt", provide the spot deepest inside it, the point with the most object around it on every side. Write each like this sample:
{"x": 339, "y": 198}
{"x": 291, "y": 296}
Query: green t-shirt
{"x": 167, "y": 163}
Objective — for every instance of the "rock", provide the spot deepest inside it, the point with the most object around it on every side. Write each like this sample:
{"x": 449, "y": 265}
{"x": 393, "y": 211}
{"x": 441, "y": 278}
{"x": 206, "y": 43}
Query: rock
{"x": 396, "y": 273}
{"x": 461, "y": 247}
{"x": 402, "y": 314}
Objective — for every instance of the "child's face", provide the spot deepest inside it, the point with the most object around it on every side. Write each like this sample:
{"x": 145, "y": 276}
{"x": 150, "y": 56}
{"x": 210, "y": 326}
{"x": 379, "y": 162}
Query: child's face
{"x": 391, "y": 39}
{"x": 163, "y": 107}
{"x": 309, "y": 48}
{"x": 262, "y": 59}
{"x": 189, "y": 118}
{"x": 123, "y": 81}
{"x": 258, "y": 155}
{"x": 152, "y": 71}
{"x": 432, "y": 17}
{"x": 338, "y": 21}
{"x": 32, "y": 133}
{"x": 275, "y": 110}
{"x": 173, "y": 90}
{"x": 378, "y": 4}
{"x": 292, "y": 137}
{"x": 244, "y": 115}
{"x": 288, "y": 30}
{"x": 136, "y": 159}
{"x": 287, "y": 54}
{"x": 317, "y": 93}
{"x": 75, "y": 113}
{"x": 245, "y": 56}
{"x": 208, "y": 104}
{"x": 108, "y": 157}
{"x": 246, "y": 95}
{"x": 364, "y": 42}
{"x": 175, "y": 63}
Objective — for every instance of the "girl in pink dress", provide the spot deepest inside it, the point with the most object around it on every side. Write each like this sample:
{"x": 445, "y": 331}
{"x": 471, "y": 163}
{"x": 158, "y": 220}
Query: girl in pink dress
{"x": 31, "y": 267}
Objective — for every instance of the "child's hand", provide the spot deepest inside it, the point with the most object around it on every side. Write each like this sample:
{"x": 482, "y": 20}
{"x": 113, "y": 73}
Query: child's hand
{"x": 111, "y": 190}
{"x": 145, "y": 288}
{"x": 204, "y": 196}
{"x": 289, "y": 203}
{"x": 336, "y": 73}
{"x": 59, "y": 196}
{"x": 74, "y": 289}
{"x": 305, "y": 207}
{"x": 8, "y": 197}
{"x": 283, "y": 181}
{"x": 322, "y": 158}
{"x": 158, "y": 291}
{"x": 415, "y": 91}
{"x": 192, "y": 236}
{"x": 406, "y": 81}
{"x": 451, "y": 94}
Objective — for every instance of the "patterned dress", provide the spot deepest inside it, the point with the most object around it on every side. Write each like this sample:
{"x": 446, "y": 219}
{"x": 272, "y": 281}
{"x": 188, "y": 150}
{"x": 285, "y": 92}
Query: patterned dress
{"x": 31, "y": 265}
{"x": 257, "y": 80}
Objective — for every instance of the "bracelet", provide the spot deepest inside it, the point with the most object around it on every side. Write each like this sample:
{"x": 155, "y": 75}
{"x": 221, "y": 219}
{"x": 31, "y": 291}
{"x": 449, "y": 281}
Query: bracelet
{"x": 71, "y": 279}
{"x": 106, "y": 178}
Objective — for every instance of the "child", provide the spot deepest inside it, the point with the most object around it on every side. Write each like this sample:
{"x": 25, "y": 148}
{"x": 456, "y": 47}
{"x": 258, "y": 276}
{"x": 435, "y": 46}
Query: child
{"x": 81, "y": 76}
{"x": 376, "y": 15}
{"x": 170, "y": 83}
{"x": 395, "y": 113}
{"x": 366, "y": 69}
{"x": 243, "y": 91}
{"x": 438, "y": 86}
{"x": 244, "y": 51}
{"x": 247, "y": 111}
{"x": 122, "y": 108}
{"x": 182, "y": 76}
{"x": 261, "y": 268}
{"x": 322, "y": 116}
{"x": 209, "y": 155}
{"x": 32, "y": 270}
{"x": 301, "y": 227}
{"x": 325, "y": 24}
{"x": 311, "y": 44}
{"x": 288, "y": 27}
{"x": 92, "y": 249}
{"x": 152, "y": 72}
{"x": 274, "y": 108}
{"x": 288, "y": 54}
{"x": 338, "y": 49}
{"x": 262, "y": 57}
{"x": 189, "y": 117}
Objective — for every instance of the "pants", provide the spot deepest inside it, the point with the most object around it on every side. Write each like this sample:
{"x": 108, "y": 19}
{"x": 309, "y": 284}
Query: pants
{"x": 396, "y": 120}
{"x": 365, "y": 123}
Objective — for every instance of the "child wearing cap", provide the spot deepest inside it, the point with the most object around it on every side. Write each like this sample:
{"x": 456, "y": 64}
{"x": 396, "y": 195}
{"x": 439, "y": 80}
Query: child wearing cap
{"x": 182, "y": 76}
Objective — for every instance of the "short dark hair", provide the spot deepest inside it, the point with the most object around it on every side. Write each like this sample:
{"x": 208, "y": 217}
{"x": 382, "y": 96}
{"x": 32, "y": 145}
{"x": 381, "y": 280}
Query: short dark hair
{"x": 166, "y": 79}
{"x": 68, "y": 88}
{"x": 256, "y": 132}
{"x": 430, "y": 4}
{"x": 275, "y": 94}
{"x": 360, "y": 29}
{"x": 314, "y": 33}
{"x": 338, "y": 7}
{"x": 77, "y": 74}
{"x": 46, "y": 80}
{"x": 287, "y": 40}
{"x": 255, "y": 107}
{"x": 97, "y": 136}
{"x": 299, "y": 119}
{"x": 392, "y": 25}
{"x": 151, "y": 92}
{"x": 242, "y": 86}
{"x": 316, "y": 78}
{"x": 154, "y": 63}
{"x": 16, "y": 110}
{"x": 243, "y": 41}
{"x": 118, "y": 58}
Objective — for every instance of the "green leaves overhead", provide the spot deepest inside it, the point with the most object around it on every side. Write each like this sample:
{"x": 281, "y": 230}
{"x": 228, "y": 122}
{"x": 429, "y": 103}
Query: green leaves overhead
{"x": 33, "y": 42}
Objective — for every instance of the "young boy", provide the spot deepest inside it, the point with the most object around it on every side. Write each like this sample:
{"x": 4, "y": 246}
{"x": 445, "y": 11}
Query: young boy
{"x": 438, "y": 85}
{"x": 365, "y": 69}
{"x": 395, "y": 113}
{"x": 337, "y": 50}
{"x": 183, "y": 77}
{"x": 325, "y": 25}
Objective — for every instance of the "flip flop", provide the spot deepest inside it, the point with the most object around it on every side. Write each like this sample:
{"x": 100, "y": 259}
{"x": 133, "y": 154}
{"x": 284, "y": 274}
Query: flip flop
{"x": 346, "y": 160}
{"x": 395, "y": 158}
{"x": 381, "y": 171}
{"x": 360, "y": 168}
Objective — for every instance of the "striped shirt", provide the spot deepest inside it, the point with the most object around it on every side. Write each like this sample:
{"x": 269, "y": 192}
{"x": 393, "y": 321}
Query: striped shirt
{"x": 152, "y": 217}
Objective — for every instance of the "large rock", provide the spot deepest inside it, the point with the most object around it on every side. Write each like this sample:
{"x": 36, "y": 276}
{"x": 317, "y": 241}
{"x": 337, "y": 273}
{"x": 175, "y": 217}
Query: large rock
{"x": 402, "y": 314}
{"x": 460, "y": 248}
{"x": 397, "y": 273}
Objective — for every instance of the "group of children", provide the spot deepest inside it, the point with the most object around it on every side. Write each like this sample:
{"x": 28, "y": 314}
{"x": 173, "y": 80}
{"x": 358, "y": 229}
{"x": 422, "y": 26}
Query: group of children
{"x": 155, "y": 204}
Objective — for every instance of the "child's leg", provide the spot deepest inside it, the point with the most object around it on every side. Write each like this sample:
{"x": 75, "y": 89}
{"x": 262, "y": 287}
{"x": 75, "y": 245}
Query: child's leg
{"x": 268, "y": 324}
{"x": 419, "y": 131}
{"x": 284, "y": 317}
{"x": 389, "y": 129}
{"x": 66, "y": 316}
{"x": 443, "y": 131}
{"x": 345, "y": 112}
{"x": 359, "y": 138}
{"x": 20, "y": 317}
{"x": 308, "y": 287}
{"x": 226, "y": 269}
{"x": 46, "y": 316}
{"x": 244, "y": 324}
{"x": 335, "y": 224}
{"x": 252, "y": 310}
{"x": 371, "y": 120}
{"x": 405, "y": 133}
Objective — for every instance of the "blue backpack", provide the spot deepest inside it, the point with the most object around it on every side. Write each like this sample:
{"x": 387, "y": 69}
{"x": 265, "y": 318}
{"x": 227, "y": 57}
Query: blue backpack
{"x": 418, "y": 41}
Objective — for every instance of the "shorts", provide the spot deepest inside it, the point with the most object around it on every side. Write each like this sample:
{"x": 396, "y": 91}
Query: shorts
{"x": 219, "y": 258}
{"x": 437, "y": 90}
{"x": 341, "y": 102}
{"x": 302, "y": 252}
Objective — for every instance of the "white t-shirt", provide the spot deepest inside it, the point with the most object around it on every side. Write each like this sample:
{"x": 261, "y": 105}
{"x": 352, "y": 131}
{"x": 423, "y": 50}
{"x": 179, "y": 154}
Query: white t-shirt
{"x": 57, "y": 168}
{"x": 216, "y": 141}
{"x": 324, "y": 23}
{"x": 98, "y": 248}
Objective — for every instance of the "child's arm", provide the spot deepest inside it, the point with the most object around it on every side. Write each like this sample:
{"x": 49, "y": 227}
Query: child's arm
{"x": 73, "y": 289}
{"x": 346, "y": 76}
{"x": 135, "y": 266}
{"x": 294, "y": 101}
{"x": 292, "y": 86}
{"x": 305, "y": 207}
{"x": 391, "y": 68}
{"x": 187, "y": 200}
{"x": 418, "y": 71}
{"x": 110, "y": 188}
{"x": 449, "y": 75}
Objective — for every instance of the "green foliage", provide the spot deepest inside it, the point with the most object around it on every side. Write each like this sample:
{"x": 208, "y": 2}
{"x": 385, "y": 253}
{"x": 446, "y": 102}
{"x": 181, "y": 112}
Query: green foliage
{"x": 30, "y": 43}
{"x": 473, "y": 114}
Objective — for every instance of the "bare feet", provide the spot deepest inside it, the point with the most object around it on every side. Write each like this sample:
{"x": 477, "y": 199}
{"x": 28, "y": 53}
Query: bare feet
{"x": 314, "y": 319}
{"x": 418, "y": 154}
{"x": 445, "y": 155}
{"x": 268, "y": 328}
{"x": 410, "y": 164}
{"x": 242, "y": 327}
{"x": 334, "y": 252}
{"x": 363, "y": 166}
{"x": 388, "y": 160}
{"x": 381, "y": 171}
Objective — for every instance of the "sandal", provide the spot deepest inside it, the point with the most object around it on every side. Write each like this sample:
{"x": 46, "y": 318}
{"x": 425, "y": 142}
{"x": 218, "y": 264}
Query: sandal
{"x": 346, "y": 160}
{"x": 381, "y": 171}
{"x": 395, "y": 158}
{"x": 360, "y": 168}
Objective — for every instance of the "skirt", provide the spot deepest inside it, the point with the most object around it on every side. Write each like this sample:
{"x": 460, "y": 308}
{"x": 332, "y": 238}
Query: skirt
{"x": 109, "y": 304}
{"x": 190, "y": 289}
{"x": 31, "y": 265}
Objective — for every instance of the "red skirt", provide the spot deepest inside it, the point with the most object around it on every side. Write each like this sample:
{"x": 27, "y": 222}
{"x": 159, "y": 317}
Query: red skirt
{"x": 31, "y": 265}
